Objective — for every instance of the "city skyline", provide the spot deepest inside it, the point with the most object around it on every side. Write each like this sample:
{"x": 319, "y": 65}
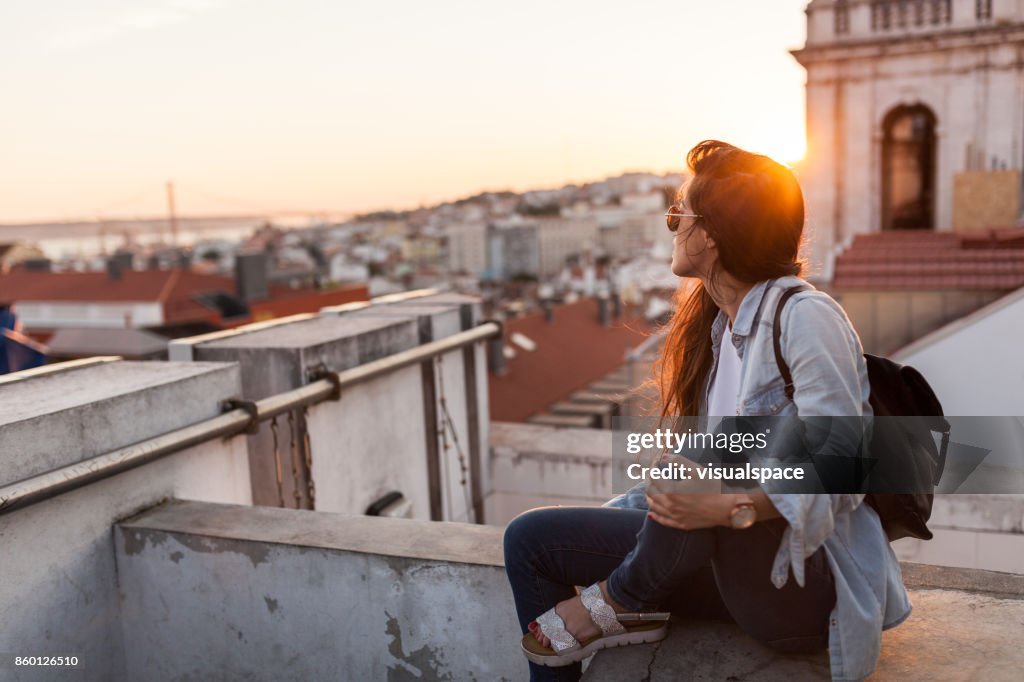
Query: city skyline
{"x": 353, "y": 109}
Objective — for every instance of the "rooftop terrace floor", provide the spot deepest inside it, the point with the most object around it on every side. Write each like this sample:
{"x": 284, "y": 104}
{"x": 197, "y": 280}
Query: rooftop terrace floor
{"x": 951, "y": 635}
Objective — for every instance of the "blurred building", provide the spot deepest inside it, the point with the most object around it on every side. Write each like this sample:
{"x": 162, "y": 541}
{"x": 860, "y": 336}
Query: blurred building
{"x": 169, "y": 303}
{"x": 15, "y": 253}
{"x": 467, "y": 246}
{"x": 513, "y": 249}
{"x": 563, "y": 237}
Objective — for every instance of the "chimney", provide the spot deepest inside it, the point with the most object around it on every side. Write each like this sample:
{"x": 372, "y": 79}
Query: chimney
{"x": 546, "y": 292}
{"x": 118, "y": 263}
{"x": 36, "y": 264}
{"x": 252, "y": 275}
{"x": 496, "y": 356}
{"x": 602, "y": 308}
{"x": 496, "y": 349}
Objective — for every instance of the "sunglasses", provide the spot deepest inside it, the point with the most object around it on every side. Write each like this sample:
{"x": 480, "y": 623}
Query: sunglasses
{"x": 673, "y": 215}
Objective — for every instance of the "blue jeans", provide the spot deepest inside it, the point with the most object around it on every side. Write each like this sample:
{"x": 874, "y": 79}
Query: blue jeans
{"x": 708, "y": 573}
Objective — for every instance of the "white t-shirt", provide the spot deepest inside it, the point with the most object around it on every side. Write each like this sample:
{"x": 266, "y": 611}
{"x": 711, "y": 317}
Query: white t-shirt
{"x": 725, "y": 386}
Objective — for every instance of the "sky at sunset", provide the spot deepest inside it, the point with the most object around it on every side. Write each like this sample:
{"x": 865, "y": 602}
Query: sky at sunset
{"x": 310, "y": 105}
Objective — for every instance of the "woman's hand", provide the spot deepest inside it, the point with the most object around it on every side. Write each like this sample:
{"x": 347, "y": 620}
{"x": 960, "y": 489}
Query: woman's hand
{"x": 690, "y": 511}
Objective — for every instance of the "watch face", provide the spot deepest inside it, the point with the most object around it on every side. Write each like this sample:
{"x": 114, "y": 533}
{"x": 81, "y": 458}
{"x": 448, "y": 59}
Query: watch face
{"x": 744, "y": 516}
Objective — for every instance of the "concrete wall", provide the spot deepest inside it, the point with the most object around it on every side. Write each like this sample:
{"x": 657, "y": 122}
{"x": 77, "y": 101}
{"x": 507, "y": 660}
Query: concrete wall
{"x": 975, "y": 364}
{"x": 276, "y": 359}
{"x": 224, "y": 592}
{"x": 889, "y": 320}
{"x": 536, "y": 466}
{"x": 971, "y": 531}
{"x": 59, "y": 593}
{"x": 419, "y": 431}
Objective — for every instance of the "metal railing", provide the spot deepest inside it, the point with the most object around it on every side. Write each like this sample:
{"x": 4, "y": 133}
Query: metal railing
{"x": 240, "y": 416}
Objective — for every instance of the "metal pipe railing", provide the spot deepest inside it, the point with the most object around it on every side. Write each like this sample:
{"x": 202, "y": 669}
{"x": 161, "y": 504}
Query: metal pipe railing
{"x": 234, "y": 421}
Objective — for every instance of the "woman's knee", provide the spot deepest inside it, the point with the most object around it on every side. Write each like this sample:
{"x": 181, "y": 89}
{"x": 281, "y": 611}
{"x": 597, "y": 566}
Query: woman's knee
{"x": 524, "y": 531}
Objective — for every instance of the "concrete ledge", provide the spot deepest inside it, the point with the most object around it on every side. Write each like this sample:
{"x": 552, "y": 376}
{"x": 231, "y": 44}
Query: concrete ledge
{"x": 236, "y": 593}
{"x": 994, "y": 583}
{"x": 427, "y": 540}
{"x": 432, "y": 596}
{"x": 60, "y": 418}
{"x": 56, "y": 368}
{"x": 584, "y": 446}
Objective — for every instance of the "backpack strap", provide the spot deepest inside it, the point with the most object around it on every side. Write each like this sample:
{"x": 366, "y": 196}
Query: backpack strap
{"x": 777, "y": 338}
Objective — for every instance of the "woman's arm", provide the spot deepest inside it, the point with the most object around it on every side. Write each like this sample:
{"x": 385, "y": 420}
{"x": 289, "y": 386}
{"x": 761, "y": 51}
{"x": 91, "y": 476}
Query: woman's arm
{"x": 690, "y": 511}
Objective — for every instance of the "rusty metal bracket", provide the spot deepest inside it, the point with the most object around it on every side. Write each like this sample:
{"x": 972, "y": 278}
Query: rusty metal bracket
{"x": 250, "y": 407}
{"x": 322, "y": 372}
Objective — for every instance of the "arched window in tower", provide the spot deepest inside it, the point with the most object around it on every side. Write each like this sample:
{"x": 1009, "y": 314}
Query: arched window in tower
{"x": 902, "y": 12}
{"x": 942, "y": 11}
{"x": 841, "y": 17}
{"x": 919, "y": 12}
{"x": 983, "y": 9}
{"x": 908, "y": 168}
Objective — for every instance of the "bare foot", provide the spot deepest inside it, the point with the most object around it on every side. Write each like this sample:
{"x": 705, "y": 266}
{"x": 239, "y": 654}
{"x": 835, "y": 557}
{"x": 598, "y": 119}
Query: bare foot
{"x": 577, "y": 619}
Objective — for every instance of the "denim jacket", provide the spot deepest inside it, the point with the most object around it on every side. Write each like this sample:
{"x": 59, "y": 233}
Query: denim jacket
{"x": 830, "y": 379}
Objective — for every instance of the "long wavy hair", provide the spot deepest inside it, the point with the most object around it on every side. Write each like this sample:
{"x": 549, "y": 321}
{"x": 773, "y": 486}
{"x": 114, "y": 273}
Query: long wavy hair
{"x": 753, "y": 208}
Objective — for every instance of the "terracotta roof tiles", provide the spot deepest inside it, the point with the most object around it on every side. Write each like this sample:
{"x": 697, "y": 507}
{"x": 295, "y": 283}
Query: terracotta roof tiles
{"x": 573, "y": 351}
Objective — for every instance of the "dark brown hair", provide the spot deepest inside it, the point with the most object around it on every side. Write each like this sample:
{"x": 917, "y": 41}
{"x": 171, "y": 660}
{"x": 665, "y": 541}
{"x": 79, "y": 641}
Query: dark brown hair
{"x": 753, "y": 208}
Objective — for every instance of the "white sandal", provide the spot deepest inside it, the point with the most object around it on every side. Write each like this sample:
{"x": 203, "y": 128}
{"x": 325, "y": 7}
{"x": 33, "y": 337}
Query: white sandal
{"x": 565, "y": 649}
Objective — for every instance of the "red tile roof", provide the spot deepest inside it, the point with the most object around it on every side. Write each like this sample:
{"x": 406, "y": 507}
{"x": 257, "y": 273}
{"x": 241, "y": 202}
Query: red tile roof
{"x": 923, "y": 260}
{"x": 573, "y": 351}
{"x": 133, "y": 285}
{"x": 174, "y": 289}
{"x": 284, "y": 301}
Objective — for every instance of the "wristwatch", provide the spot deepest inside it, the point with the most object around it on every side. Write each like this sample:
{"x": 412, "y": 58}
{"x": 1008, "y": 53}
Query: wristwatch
{"x": 743, "y": 515}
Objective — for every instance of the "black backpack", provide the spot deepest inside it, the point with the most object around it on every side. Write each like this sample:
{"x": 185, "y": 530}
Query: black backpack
{"x": 904, "y": 449}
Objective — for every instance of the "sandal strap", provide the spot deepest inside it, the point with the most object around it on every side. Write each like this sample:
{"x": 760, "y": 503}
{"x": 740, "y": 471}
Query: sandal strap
{"x": 600, "y": 611}
{"x": 643, "y": 616}
{"x": 553, "y": 627}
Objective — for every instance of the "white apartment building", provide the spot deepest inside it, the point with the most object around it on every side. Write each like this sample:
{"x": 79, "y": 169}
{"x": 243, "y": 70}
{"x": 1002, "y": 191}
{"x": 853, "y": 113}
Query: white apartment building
{"x": 562, "y": 237}
{"x": 467, "y": 247}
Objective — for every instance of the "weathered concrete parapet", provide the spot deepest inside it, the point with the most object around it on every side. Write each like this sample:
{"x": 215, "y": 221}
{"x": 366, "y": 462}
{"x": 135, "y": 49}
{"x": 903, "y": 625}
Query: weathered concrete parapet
{"x": 59, "y": 590}
{"x": 455, "y": 399}
{"x": 229, "y": 592}
{"x": 62, "y": 417}
{"x": 222, "y": 591}
{"x": 418, "y": 430}
{"x": 278, "y": 358}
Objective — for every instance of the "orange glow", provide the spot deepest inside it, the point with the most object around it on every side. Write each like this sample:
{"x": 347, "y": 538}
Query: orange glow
{"x": 365, "y": 106}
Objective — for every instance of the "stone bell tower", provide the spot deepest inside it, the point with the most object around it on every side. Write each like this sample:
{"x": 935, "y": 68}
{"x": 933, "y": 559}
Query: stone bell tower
{"x": 915, "y": 117}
